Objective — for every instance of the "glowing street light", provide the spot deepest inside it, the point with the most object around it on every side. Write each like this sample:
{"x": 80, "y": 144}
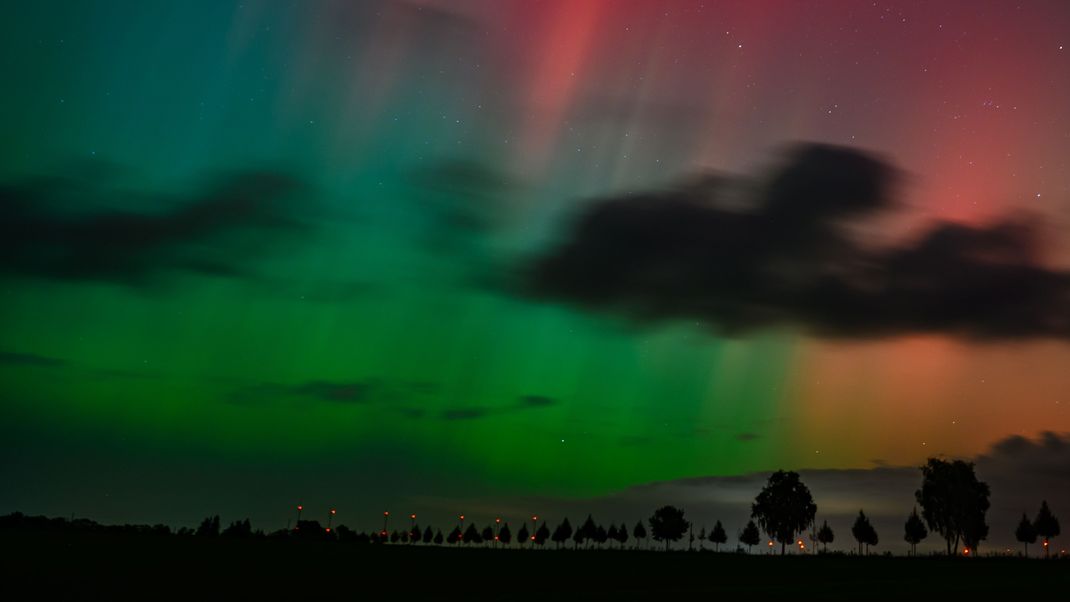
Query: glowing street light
{"x": 330, "y": 519}
{"x": 299, "y": 509}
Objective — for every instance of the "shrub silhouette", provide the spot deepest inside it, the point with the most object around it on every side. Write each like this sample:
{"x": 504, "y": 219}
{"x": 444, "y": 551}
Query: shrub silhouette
{"x": 522, "y": 536}
{"x": 505, "y": 535}
{"x": 668, "y": 525}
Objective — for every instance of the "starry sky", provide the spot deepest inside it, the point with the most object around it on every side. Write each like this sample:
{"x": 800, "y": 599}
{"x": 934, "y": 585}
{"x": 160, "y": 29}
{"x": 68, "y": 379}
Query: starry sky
{"x": 414, "y": 254}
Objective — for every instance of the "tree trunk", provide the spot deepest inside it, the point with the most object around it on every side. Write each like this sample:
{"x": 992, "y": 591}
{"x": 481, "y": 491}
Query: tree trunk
{"x": 782, "y": 546}
{"x": 666, "y": 545}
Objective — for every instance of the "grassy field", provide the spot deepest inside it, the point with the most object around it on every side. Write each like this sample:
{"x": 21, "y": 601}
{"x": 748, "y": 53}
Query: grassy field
{"x": 59, "y": 566}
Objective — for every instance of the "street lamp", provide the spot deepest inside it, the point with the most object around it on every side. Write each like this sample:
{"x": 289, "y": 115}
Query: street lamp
{"x": 299, "y": 509}
{"x": 534, "y": 526}
{"x": 330, "y": 519}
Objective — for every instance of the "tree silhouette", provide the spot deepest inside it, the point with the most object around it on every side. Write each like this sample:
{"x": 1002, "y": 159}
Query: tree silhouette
{"x": 429, "y": 535}
{"x": 588, "y": 530}
{"x": 438, "y": 537}
{"x": 825, "y": 536}
{"x": 864, "y": 532}
{"x": 750, "y": 535}
{"x": 622, "y": 535}
{"x": 600, "y": 535}
{"x": 522, "y": 536}
{"x": 394, "y": 537}
{"x": 974, "y": 533}
{"x": 1047, "y": 526}
{"x": 454, "y": 536}
{"x": 953, "y": 501}
{"x": 542, "y": 534}
{"x": 239, "y": 529}
{"x": 718, "y": 536}
{"x": 784, "y": 507}
{"x": 488, "y": 534}
{"x": 639, "y": 533}
{"x": 611, "y": 533}
{"x": 414, "y": 533}
{"x": 471, "y": 535}
{"x": 914, "y": 531}
{"x": 577, "y": 539}
{"x": 210, "y": 526}
{"x": 562, "y": 533}
{"x": 345, "y": 534}
{"x": 1025, "y": 533}
{"x": 505, "y": 535}
{"x": 668, "y": 525}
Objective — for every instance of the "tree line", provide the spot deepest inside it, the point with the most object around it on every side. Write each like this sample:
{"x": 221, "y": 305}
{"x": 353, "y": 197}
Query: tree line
{"x": 953, "y": 505}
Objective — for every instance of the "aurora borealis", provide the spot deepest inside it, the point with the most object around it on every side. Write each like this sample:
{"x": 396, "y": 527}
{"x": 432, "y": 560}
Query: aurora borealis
{"x": 262, "y": 251}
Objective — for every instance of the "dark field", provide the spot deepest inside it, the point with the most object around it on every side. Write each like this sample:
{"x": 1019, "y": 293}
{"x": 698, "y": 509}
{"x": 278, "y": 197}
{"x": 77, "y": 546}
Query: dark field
{"x": 108, "y": 566}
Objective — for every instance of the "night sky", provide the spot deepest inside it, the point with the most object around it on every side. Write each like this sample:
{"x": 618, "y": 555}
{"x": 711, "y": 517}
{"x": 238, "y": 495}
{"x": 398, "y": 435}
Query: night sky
{"x": 515, "y": 257}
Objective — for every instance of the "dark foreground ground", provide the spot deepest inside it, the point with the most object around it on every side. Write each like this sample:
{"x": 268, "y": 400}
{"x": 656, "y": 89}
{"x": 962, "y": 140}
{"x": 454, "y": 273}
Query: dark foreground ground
{"x": 110, "y": 567}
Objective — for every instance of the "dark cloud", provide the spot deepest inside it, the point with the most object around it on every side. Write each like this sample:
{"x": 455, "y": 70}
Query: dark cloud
{"x": 31, "y": 359}
{"x": 778, "y": 250}
{"x": 407, "y": 398}
{"x": 537, "y": 401}
{"x": 465, "y": 413}
{"x": 525, "y": 402}
{"x": 747, "y": 436}
{"x": 88, "y": 230}
{"x": 351, "y": 392}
